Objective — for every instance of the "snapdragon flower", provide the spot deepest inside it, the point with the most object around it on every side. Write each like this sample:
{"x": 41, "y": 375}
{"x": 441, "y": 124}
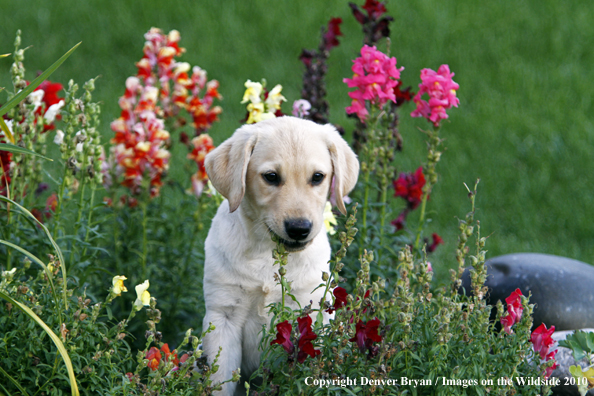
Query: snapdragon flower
{"x": 375, "y": 76}
{"x": 441, "y": 90}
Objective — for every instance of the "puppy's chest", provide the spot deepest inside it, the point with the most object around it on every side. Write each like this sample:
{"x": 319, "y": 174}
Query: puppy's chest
{"x": 262, "y": 288}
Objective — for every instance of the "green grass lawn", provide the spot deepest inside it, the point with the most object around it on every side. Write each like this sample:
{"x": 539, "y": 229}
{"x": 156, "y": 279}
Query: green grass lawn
{"x": 524, "y": 125}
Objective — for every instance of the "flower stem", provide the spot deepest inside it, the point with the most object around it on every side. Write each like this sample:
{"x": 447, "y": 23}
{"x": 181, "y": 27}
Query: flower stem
{"x": 364, "y": 215}
{"x": 93, "y": 188}
{"x": 60, "y": 202}
{"x": 384, "y": 198}
{"x": 78, "y": 218}
{"x": 433, "y": 157}
{"x": 144, "y": 239}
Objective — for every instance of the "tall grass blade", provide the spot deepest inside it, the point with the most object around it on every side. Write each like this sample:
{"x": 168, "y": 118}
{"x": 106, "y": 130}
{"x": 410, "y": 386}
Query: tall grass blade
{"x": 54, "y": 244}
{"x": 35, "y": 83}
{"x": 20, "y": 150}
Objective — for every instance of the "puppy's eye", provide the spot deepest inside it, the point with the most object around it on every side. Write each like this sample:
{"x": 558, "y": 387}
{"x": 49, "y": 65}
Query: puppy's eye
{"x": 317, "y": 178}
{"x": 271, "y": 178}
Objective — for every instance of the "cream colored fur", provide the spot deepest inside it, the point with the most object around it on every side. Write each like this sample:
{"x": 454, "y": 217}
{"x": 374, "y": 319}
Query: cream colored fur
{"x": 239, "y": 274}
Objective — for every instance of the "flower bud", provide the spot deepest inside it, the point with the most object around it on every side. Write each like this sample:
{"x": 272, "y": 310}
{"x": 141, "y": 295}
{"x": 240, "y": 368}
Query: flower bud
{"x": 282, "y": 271}
{"x": 325, "y": 276}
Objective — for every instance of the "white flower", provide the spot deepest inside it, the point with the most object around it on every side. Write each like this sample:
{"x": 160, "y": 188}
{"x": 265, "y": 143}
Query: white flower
{"x": 79, "y": 147}
{"x": 10, "y": 273}
{"x": 132, "y": 84}
{"x": 53, "y": 111}
{"x": 59, "y": 138}
{"x": 143, "y": 297}
{"x": 36, "y": 98}
{"x": 181, "y": 67}
{"x": 151, "y": 94}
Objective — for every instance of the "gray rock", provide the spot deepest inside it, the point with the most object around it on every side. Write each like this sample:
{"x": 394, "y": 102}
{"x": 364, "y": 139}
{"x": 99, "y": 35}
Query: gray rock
{"x": 562, "y": 288}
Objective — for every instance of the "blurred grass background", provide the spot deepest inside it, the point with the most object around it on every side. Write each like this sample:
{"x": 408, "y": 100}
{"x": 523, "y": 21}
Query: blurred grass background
{"x": 524, "y": 125}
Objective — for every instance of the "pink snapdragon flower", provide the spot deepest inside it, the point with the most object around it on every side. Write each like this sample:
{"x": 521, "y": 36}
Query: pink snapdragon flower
{"x": 375, "y": 77}
{"x": 442, "y": 94}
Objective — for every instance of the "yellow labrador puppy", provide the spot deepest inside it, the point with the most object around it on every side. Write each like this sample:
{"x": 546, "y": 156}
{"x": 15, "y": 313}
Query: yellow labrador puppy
{"x": 276, "y": 176}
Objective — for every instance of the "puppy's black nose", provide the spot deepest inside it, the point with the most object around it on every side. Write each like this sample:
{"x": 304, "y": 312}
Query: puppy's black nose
{"x": 298, "y": 229}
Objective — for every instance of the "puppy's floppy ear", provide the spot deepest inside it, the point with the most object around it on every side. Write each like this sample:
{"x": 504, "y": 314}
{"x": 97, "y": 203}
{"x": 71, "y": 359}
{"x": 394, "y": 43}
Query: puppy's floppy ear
{"x": 227, "y": 165}
{"x": 345, "y": 164}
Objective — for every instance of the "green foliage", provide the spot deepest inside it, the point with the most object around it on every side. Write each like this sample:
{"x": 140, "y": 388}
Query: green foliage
{"x": 581, "y": 344}
{"x": 101, "y": 357}
{"x": 440, "y": 341}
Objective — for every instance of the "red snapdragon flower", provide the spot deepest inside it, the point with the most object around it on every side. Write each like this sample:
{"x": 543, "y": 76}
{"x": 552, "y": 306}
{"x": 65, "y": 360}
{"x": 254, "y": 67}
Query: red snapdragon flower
{"x": 410, "y": 187}
{"x": 50, "y": 89}
{"x": 283, "y": 337}
{"x": 340, "y": 299}
{"x": 507, "y": 321}
{"x": 154, "y": 357}
{"x": 437, "y": 240}
{"x": 50, "y": 98}
{"x": 402, "y": 96}
{"x": 375, "y": 76}
{"x": 400, "y": 221}
{"x": 541, "y": 340}
{"x": 549, "y": 370}
{"x": 366, "y": 334}
{"x": 158, "y": 64}
{"x": 140, "y": 138}
{"x": 306, "y": 336}
{"x": 202, "y": 146}
{"x": 375, "y": 25}
{"x": 168, "y": 353}
{"x": 514, "y": 310}
{"x": 5, "y": 161}
{"x": 514, "y": 304}
{"x": 442, "y": 94}
{"x": 374, "y": 8}
{"x": 331, "y": 35}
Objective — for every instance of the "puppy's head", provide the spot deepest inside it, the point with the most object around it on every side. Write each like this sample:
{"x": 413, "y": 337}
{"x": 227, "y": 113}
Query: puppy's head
{"x": 280, "y": 171}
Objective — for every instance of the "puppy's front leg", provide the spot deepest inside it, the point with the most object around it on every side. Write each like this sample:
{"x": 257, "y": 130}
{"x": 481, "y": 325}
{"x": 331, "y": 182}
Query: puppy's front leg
{"x": 228, "y": 322}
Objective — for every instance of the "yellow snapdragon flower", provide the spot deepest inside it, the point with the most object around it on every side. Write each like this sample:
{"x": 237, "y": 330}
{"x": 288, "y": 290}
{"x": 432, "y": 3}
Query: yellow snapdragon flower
{"x": 274, "y": 99}
{"x": 143, "y": 297}
{"x": 118, "y": 285}
{"x": 329, "y": 219}
{"x": 253, "y": 92}
{"x": 257, "y": 109}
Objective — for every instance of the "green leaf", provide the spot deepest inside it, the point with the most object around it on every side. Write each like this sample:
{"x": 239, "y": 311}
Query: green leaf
{"x": 35, "y": 83}
{"x": 590, "y": 341}
{"x": 53, "y": 336}
{"x": 20, "y": 150}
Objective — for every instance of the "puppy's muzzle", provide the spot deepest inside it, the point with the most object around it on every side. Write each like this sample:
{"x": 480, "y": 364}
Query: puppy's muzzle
{"x": 298, "y": 229}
